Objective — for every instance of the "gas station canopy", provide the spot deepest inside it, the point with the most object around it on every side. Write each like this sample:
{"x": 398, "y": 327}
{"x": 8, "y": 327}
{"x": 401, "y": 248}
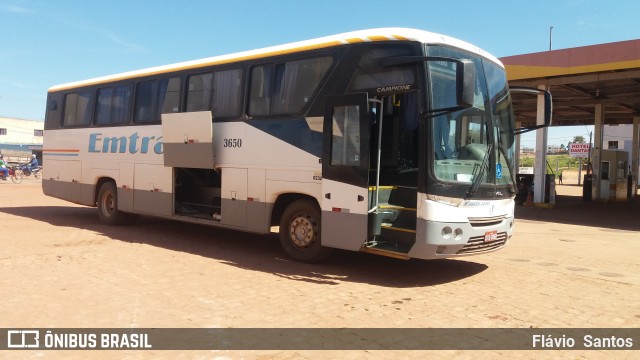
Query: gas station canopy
{"x": 580, "y": 78}
{"x": 591, "y": 85}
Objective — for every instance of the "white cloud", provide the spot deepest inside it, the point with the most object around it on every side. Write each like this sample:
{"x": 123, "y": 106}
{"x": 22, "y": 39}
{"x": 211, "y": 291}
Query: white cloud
{"x": 16, "y": 9}
{"x": 13, "y": 84}
{"x": 127, "y": 45}
{"x": 107, "y": 34}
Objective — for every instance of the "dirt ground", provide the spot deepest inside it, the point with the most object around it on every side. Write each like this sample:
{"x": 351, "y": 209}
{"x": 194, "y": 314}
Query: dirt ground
{"x": 568, "y": 267}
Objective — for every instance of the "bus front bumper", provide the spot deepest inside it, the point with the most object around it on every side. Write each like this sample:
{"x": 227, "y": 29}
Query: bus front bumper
{"x": 437, "y": 240}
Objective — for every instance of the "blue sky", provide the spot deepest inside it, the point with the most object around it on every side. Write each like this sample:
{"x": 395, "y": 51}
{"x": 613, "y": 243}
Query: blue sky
{"x": 44, "y": 43}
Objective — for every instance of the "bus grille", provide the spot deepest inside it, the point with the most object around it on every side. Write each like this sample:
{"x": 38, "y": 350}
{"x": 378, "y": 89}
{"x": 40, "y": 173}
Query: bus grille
{"x": 486, "y": 221}
{"x": 476, "y": 244}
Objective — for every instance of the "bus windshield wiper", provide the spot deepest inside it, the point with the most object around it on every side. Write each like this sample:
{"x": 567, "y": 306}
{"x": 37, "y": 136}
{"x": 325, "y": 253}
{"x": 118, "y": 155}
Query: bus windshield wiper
{"x": 511, "y": 187}
{"x": 478, "y": 178}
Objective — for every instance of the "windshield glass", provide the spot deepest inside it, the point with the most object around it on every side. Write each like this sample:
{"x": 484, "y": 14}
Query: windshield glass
{"x": 471, "y": 148}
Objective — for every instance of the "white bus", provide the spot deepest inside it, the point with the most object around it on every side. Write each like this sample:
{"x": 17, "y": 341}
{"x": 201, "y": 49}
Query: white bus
{"x": 392, "y": 141}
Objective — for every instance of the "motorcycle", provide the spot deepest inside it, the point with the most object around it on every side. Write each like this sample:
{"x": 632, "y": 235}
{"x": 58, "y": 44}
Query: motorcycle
{"x": 37, "y": 173}
{"x": 14, "y": 174}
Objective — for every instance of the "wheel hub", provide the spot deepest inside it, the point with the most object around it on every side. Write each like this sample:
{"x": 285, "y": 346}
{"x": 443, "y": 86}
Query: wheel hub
{"x": 302, "y": 231}
{"x": 107, "y": 204}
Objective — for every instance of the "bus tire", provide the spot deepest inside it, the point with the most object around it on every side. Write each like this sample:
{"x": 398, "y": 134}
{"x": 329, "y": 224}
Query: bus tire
{"x": 107, "y": 204}
{"x": 300, "y": 232}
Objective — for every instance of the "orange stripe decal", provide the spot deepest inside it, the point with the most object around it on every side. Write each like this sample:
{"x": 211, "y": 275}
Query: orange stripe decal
{"x": 398, "y": 37}
{"x": 378, "y": 38}
{"x": 354, "y": 40}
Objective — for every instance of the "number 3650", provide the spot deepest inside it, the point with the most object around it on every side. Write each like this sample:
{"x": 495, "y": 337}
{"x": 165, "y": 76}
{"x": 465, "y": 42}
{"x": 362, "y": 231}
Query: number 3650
{"x": 235, "y": 143}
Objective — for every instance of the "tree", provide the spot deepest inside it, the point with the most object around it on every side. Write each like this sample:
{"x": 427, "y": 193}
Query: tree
{"x": 578, "y": 139}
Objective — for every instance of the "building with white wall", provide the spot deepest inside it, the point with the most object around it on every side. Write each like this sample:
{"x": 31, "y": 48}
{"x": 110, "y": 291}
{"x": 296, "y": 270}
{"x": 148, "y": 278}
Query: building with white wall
{"x": 20, "y": 138}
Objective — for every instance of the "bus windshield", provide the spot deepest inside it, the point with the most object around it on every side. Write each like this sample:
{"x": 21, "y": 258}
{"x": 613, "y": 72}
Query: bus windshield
{"x": 472, "y": 152}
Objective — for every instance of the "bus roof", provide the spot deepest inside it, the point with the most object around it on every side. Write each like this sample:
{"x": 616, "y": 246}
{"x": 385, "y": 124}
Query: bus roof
{"x": 370, "y": 35}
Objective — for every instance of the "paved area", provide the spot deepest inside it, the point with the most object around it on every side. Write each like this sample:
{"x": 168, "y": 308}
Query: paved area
{"x": 572, "y": 266}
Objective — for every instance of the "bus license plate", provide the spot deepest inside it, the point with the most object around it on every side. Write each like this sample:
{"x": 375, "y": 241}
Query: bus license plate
{"x": 490, "y": 236}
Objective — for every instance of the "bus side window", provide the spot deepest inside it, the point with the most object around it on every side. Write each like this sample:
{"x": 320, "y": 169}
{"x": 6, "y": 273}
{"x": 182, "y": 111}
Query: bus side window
{"x": 113, "y": 105}
{"x": 260, "y": 100}
{"x": 286, "y": 88}
{"x": 227, "y": 94}
{"x": 296, "y": 81}
{"x": 170, "y": 95}
{"x": 199, "y": 92}
{"x": 155, "y": 97}
{"x": 143, "y": 111}
{"x": 77, "y": 109}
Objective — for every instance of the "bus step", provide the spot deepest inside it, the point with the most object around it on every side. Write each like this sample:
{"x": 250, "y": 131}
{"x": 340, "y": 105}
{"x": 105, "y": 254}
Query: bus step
{"x": 398, "y": 227}
{"x": 398, "y": 236}
{"x": 386, "y": 249}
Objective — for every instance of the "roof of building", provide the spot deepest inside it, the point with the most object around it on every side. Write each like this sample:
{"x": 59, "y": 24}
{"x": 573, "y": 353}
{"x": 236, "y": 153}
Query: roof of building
{"x": 579, "y": 78}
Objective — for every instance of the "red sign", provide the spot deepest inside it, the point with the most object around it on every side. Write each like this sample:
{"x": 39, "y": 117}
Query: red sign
{"x": 579, "y": 150}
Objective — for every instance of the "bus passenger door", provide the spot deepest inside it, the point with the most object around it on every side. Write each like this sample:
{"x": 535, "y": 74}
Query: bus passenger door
{"x": 345, "y": 171}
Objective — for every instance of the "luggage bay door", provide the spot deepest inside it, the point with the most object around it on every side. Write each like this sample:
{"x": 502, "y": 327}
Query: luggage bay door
{"x": 188, "y": 140}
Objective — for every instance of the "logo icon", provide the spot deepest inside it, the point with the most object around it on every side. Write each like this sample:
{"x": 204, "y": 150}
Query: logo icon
{"x": 23, "y": 339}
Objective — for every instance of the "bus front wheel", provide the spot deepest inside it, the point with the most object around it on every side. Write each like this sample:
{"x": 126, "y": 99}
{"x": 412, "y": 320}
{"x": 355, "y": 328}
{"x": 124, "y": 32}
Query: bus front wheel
{"x": 108, "y": 212}
{"x": 300, "y": 232}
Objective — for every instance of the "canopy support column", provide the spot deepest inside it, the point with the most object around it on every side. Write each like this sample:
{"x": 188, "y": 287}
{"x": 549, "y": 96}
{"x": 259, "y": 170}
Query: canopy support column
{"x": 516, "y": 165}
{"x": 635, "y": 153}
{"x": 540, "y": 167}
{"x": 597, "y": 148}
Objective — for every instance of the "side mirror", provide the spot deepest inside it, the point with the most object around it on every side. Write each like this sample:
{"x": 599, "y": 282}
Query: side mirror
{"x": 548, "y": 106}
{"x": 451, "y": 75}
{"x": 466, "y": 83}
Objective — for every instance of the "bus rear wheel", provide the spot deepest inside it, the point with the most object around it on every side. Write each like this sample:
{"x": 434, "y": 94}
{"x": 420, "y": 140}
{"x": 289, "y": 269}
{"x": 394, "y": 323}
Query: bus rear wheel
{"x": 300, "y": 232}
{"x": 108, "y": 212}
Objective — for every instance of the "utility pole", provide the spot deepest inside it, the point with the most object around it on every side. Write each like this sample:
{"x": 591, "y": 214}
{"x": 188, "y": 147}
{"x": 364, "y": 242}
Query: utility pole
{"x": 550, "y": 36}
{"x": 580, "y": 172}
